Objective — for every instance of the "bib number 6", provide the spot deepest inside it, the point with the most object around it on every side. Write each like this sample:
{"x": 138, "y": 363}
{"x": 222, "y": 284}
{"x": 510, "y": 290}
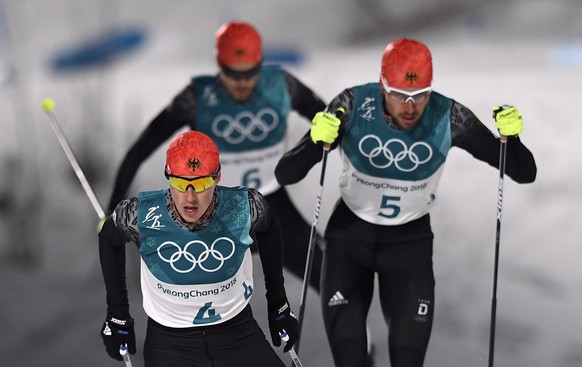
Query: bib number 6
{"x": 252, "y": 179}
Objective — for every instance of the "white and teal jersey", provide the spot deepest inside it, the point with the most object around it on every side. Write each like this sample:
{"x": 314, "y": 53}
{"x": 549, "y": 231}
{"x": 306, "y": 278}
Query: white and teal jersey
{"x": 390, "y": 176}
{"x": 250, "y": 135}
{"x": 195, "y": 278}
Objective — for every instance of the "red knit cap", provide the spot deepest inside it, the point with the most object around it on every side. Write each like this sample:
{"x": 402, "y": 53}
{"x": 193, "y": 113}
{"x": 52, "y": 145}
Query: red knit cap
{"x": 192, "y": 154}
{"x": 406, "y": 63}
{"x": 237, "y": 42}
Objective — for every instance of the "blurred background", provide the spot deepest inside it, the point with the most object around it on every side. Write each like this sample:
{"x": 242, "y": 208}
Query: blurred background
{"x": 522, "y": 52}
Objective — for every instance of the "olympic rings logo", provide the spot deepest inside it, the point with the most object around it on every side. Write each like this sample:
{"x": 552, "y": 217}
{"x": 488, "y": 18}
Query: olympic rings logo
{"x": 406, "y": 159}
{"x": 245, "y": 125}
{"x": 202, "y": 257}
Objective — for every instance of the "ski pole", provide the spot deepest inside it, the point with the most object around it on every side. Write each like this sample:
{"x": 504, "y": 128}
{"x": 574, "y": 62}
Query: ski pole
{"x": 292, "y": 353}
{"x": 48, "y": 105}
{"x": 309, "y": 262}
{"x": 125, "y": 355}
{"x": 502, "y": 153}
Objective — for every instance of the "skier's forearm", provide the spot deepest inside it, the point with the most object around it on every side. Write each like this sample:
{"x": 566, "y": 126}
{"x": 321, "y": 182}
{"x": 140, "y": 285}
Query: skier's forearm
{"x": 112, "y": 258}
{"x": 296, "y": 163}
{"x": 303, "y": 99}
{"x": 270, "y": 248}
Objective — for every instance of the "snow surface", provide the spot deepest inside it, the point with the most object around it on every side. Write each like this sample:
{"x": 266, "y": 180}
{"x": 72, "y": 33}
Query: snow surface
{"x": 527, "y": 53}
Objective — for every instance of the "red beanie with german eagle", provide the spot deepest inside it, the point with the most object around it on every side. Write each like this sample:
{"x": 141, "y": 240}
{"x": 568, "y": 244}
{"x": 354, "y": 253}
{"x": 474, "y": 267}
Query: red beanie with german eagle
{"x": 238, "y": 42}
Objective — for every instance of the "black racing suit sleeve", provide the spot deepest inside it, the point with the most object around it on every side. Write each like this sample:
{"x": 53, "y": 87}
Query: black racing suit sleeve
{"x": 266, "y": 231}
{"x": 179, "y": 113}
{"x": 112, "y": 240}
{"x": 303, "y": 100}
{"x": 470, "y": 134}
{"x": 297, "y": 162}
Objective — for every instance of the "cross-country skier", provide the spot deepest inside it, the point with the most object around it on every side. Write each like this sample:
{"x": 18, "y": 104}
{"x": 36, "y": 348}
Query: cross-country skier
{"x": 394, "y": 138}
{"x": 196, "y": 267}
{"x": 244, "y": 109}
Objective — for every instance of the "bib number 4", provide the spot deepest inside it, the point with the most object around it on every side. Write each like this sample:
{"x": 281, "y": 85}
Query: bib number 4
{"x": 206, "y": 315}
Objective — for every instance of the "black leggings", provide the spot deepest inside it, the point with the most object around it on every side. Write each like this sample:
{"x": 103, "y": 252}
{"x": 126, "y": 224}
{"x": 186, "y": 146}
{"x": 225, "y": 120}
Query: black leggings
{"x": 402, "y": 258}
{"x": 296, "y": 238}
{"x": 237, "y": 342}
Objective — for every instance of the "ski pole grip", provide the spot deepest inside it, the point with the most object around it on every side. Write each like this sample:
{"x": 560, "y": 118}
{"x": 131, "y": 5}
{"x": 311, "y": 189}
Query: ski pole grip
{"x": 338, "y": 113}
{"x": 125, "y": 355}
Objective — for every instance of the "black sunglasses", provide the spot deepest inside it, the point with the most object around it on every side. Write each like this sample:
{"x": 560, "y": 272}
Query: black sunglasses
{"x": 238, "y": 75}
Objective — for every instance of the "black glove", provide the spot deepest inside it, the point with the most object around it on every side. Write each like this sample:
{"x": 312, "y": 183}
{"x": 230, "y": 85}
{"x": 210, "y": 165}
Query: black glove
{"x": 117, "y": 332}
{"x": 281, "y": 318}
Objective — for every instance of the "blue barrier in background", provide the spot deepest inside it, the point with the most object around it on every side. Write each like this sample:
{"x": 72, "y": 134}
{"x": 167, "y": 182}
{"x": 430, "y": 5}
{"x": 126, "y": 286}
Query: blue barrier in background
{"x": 99, "y": 51}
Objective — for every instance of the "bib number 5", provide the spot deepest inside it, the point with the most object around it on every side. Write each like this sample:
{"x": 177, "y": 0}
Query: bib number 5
{"x": 388, "y": 207}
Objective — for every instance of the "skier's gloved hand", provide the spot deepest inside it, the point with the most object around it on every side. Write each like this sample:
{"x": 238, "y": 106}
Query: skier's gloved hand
{"x": 324, "y": 127}
{"x": 508, "y": 120}
{"x": 116, "y": 332}
{"x": 281, "y": 318}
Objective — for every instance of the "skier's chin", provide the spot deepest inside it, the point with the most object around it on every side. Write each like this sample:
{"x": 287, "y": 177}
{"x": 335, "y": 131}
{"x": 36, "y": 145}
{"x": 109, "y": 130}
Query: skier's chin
{"x": 241, "y": 94}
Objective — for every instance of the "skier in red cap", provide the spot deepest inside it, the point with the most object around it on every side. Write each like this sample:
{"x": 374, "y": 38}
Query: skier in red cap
{"x": 244, "y": 108}
{"x": 394, "y": 137}
{"x": 196, "y": 272}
